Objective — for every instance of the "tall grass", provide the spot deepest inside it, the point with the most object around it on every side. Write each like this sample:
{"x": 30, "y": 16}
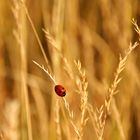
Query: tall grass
{"x": 81, "y": 45}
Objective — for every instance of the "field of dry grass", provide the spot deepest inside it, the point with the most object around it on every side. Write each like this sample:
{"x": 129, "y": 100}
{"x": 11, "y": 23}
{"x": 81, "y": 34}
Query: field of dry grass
{"x": 90, "y": 48}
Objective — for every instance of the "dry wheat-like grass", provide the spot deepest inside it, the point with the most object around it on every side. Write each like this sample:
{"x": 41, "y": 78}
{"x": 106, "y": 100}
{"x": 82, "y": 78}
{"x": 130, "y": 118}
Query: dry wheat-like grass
{"x": 82, "y": 85}
{"x": 101, "y": 113}
{"x": 72, "y": 32}
{"x": 19, "y": 16}
{"x": 71, "y": 118}
{"x": 137, "y": 29}
{"x": 46, "y": 71}
{"x": 80, "y": 82}
{"x": 57, "y": 120}
{"x": 68, "y": 70}
{"x": 40, "y": 106}
{"x": 36, "y": 35}
{"x": 104, "y": 110}
{"x": 66, "y": 104}
{"x": 117, "y": 79}
{"x": 53, "y": 43}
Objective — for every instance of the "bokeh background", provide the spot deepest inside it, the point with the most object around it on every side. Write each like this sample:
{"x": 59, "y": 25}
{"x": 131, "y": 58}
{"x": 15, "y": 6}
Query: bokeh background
{"x": 92, "y": 31}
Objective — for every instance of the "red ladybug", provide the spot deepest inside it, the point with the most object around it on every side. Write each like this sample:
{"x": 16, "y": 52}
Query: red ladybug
{"x": 60, "y": 90}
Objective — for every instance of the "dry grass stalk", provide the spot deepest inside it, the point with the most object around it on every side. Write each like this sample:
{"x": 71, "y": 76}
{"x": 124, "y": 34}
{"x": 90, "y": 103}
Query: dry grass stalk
{"x": 46, "y": 71}
{"x": 71, "y": 118}
{"x": 16, "y": 12}
{"x": 137, "y": 29}
{"x": 57, "y": 120}
{"x": 81, "y": 82}
{"x": 118, "y": 120}
{"x": 103, "y": 111}
{"x": 117, "y": 79}
{"x": 63, "y": 18}
{"x": 40, "y": 106}
{"x": 82, "y": 90}
{"x": 21, "y": 40}
{"x": 53, "y": 43}
{"x": 36, "y": 35}
{"x": 82, "y": 85}
{"x": 70, "y": 113}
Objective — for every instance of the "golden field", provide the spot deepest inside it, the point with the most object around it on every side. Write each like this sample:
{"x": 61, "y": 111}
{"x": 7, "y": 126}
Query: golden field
{"x": 90, "y": 48}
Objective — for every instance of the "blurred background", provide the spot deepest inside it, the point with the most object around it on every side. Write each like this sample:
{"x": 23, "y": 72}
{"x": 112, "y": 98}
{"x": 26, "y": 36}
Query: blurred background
{"x": 92, "y": 31}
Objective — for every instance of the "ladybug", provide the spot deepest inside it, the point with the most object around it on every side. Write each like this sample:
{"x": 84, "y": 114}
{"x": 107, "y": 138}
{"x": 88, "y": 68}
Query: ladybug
{"x": 60, "y": 90}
